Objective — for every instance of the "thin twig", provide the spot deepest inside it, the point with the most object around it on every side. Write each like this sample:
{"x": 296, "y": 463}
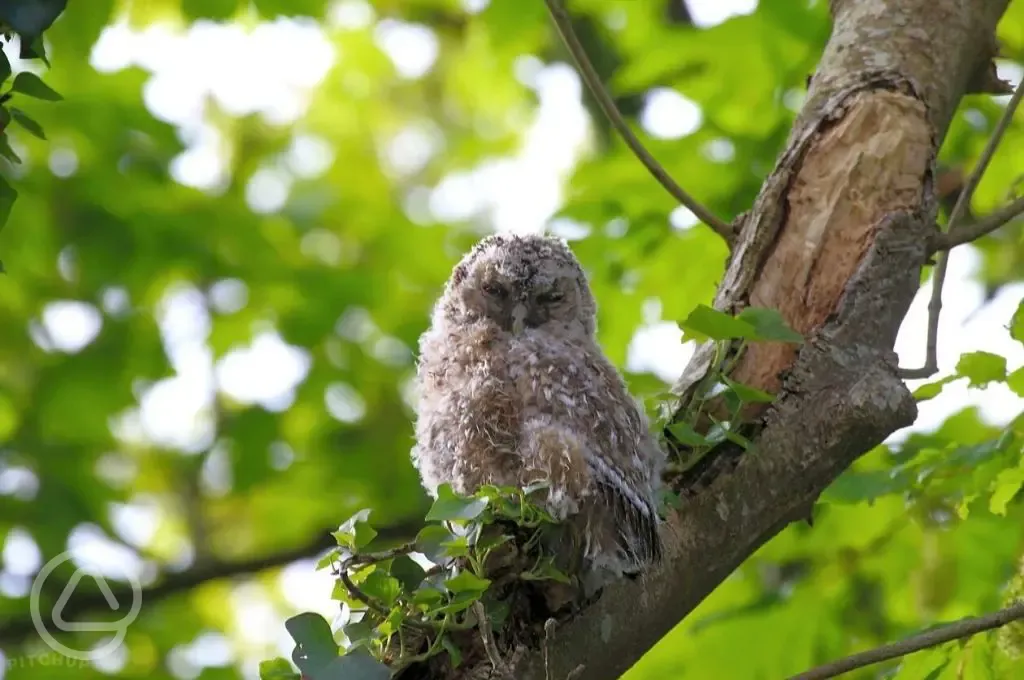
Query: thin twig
{"x": 957, "y": 630}
{"x": 487, "y": 635}
{"x": 564, "y": 24}
{"x": 972, "y": 232}
{"x": 931, "y": 365}
{"x": 356, "y": 592}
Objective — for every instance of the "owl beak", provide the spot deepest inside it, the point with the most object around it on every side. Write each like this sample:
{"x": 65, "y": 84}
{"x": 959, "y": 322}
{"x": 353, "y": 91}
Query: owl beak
{"x": 518, "y": 318}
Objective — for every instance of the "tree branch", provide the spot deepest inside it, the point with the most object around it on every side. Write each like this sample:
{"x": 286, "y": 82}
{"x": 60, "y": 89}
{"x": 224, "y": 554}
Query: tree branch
{"x": 982, "y": 227}
{"x": 931, "y": 638}
{"x": 564, "y": 24}
{"x": 931, "y": 363}
{"x": 17, "y": 630}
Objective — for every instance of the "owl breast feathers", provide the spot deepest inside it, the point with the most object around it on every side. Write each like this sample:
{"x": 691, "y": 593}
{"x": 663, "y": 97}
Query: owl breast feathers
{"x": 513, "y": 389}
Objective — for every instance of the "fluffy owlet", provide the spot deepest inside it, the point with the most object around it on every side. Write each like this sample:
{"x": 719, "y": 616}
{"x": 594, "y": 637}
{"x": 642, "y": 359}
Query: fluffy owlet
{"x": 514, "y": 389}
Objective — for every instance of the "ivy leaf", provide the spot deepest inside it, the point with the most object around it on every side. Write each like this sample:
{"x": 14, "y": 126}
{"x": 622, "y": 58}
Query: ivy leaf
{"x": 685, "y": 434}
{"x": 314, "y": 643}
{"x": 451, "y": 507}
{"x": 981, "y": 368}
{"x": 748, "y": 394}
{"x": 467, "y": 582}
{"x": 30, "y": 84}
{"x": 277, "y": 669}
{"x": 408, "y": 572}
{"x": 769, "y": 325}
{"x": 355, "y": 666}
{"x": 427, "y": 597}
{"x": 431, "y": 542}
{"x": 355, "y": 532}
{"x": 705, "y": 323}
{"x": 545, "y": 571}
{"x": 358, "y": 632}
{"x": 22, "y": 119}
{"x": 329, "y": 559}
{"x": 453, "y": 651}
{"x": 380, "y": 586}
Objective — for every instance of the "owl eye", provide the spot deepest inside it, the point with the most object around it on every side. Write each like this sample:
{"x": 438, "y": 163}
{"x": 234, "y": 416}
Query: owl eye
{"x": 494, "y": 290}
{"x": 550, "y": 297}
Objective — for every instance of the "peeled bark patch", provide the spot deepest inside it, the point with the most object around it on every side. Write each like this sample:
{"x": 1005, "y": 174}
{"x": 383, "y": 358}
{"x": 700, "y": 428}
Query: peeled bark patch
{"x": 870, "y": 163}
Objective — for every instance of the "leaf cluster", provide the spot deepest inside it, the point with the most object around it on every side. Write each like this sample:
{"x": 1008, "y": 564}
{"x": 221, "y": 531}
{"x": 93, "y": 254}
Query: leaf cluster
{"x": 26, "y": 19}
{"x": 406, "y": 604}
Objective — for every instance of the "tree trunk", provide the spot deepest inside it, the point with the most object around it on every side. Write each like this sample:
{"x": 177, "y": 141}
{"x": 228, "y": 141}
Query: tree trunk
{"x": 835, "y": 241}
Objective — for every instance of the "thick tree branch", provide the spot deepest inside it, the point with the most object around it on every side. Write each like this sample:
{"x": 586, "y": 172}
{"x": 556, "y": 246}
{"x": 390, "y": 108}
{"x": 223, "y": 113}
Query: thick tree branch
{"x": 835, "y": 242}
{"x": 931, "y": 361}
{"x": 982, "y": 227}
{"x": 931, "y": 638}
{"x": 16, "y": 631}
{"x": 564, "y": 24}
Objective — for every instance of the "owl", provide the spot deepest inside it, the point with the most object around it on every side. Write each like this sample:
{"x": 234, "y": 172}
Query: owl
{"x": 513, "y": 389}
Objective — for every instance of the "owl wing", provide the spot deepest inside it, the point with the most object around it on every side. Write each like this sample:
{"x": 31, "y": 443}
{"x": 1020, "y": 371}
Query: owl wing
{"x": 632, "y": 518}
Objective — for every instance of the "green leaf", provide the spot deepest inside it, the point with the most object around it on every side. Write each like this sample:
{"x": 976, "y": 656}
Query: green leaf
{"x": 456, "y": 547}
{"x": 981, "y": 368}
{"x": 355, "y": 532}
{"x": 748, "y": 394}
{"x": 427, "y": 597}
{"x": 5, "y": 67}
{"x": 357, "y": 665}
{"x": 685, "y": 434}
{"x": 30, "y": 84}
{"x": 545, "y": 571}
{"x": 329, "y": 559}
{"x": 315, "y": 645}
{"x": 22, "y": 119}
{"x": 277, "y": 669}
{"x": 1017, "y": 323}
{"x": 381, "y": 587}
{"x": 1015, "y": 381}
{"x": 453, "y": 651}
{"x": 431, "y": 542}
{"x": 31, "y": 17}
{"x": 358, "y": 632}
{"x": 467, "y": 582}
{"x": 408, "y": 572}
{"x": 933, "y": 389}
{"x": 8, "y": 195}
{"x": 1005, "y": 487}
{"x": 769, "y": 325}
{"x": 705, "y": 323}
{"x": 451, "y": 507}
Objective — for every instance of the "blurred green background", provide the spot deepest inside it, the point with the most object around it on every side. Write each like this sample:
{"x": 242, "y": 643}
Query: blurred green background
{"x": 222, "y": 256}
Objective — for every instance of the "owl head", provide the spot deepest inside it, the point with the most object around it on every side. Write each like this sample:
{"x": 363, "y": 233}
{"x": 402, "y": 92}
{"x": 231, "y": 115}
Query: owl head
{"x": 521, "y": 283}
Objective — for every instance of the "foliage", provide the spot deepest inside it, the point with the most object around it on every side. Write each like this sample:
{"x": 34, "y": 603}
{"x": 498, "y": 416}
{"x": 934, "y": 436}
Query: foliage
{"x": 220, "y": 260}
{"x": 396, "y": 612}
{"x": 26, "y": 20}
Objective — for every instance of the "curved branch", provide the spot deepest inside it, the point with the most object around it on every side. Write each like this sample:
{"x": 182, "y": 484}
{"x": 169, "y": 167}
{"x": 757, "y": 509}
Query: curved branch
{"x": 983, "y": 227}
{"x": 564, "y": 24}
{"x": 17, "y": 630}
{"x": 930, "y": 638}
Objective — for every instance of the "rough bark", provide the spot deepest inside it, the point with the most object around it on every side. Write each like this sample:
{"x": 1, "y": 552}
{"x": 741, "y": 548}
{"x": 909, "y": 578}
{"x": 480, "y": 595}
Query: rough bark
{"x": 835, "y": 241}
